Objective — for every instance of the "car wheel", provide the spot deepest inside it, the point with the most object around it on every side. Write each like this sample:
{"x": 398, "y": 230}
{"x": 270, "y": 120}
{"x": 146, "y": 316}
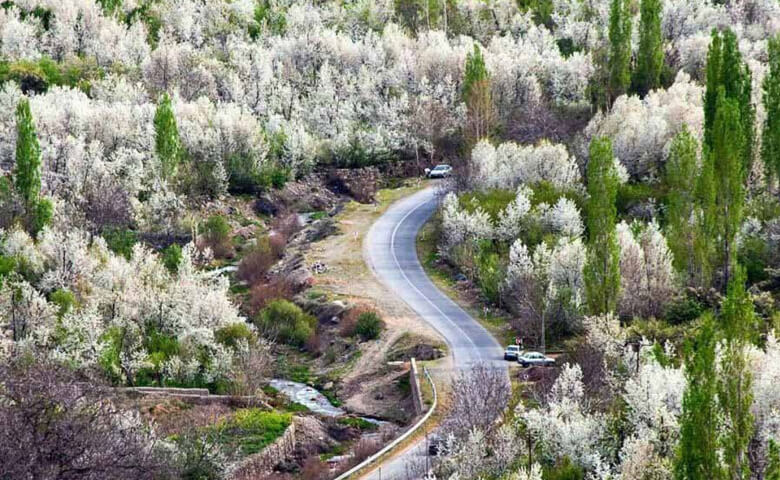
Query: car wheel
{"x": 524, "y": 364}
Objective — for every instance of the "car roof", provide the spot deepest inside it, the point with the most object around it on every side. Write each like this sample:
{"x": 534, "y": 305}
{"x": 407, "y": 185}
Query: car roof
{"x": 442, "y": 165}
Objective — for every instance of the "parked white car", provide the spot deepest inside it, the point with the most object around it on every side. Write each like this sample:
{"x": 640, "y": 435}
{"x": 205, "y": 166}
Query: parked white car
{"x": 535, "y": 358}
{"x": 439, "y": 171}
{"x": 512, "y": 352}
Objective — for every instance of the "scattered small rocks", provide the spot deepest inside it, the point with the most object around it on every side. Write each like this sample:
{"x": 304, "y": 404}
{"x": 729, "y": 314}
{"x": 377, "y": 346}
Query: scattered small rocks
{"x": 318, "y": 268}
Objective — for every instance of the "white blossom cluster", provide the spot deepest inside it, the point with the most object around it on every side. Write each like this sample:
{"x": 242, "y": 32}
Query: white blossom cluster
{"x": 510, "y": 165}
{"x": 641, "y": 130}
{"x": 113, "y": 293}
{"x": 648, "y": 278}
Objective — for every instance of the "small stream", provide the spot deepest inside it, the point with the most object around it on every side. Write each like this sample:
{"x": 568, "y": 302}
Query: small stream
{"x": 313, "y": 400}
{"x": 308, "y": 397}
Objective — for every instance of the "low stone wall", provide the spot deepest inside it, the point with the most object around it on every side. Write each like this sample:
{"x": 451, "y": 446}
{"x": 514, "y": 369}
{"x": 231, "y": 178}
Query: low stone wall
{"x": 414, "y": 381}
{"x": 197, "y": 396}
{"x": 261, "y": 463}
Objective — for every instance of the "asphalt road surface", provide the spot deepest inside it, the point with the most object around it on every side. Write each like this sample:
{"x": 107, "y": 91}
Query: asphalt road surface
{"x": 390, "y": 250}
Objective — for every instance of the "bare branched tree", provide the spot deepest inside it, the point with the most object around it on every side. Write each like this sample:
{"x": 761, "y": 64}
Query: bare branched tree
{"x": 54, "y": 427}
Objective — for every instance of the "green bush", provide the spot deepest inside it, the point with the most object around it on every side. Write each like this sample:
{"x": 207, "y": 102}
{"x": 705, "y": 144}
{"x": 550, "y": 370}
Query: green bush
{"x": 683, "y": 310}
{"x": 286, "y": 322}
{"x": 359, "y": 423}
{"x": 754, "y": 255}
{"x": 564, "y": 470}
{"x": 171, "y": 257}
{"x": 7, "y": 266}
{"x": 490, "y": 272}
{"x": 232, "y": 334}
{"x": 632, "y": 194}
{"x": 251, "y": 429}
{"x": 493, "y": 201}
{"x": 369, "y": 325}
{"x": 121, "y": 241}
{"x": 64, "y": 299}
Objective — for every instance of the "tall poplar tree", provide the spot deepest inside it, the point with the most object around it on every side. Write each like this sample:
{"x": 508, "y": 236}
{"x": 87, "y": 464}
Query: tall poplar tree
{"x": 27, "y": 171}
{"x": 167, "y": 141}
{"x": 727, "y": 70}
{"x": 477, "y": 96}
{"x": 738, "y": 322}
{"x": 697, "y": 453}
{"x": 619, "y": 63}
{"x": 38, "y": 211}
{"x": 602, "y": 268}
{"x": 704, "y": 245}
{"x": 726, "y": 158}
{"x": 650, "y": 56}
{"x": 770, "y": 144}
{"x": 681, "y": 167}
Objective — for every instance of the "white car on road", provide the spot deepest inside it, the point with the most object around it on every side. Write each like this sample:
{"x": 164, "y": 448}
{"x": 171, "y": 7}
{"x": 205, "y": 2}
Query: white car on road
{"x": 535, "y": 358}
{"x": 439, "y": 171}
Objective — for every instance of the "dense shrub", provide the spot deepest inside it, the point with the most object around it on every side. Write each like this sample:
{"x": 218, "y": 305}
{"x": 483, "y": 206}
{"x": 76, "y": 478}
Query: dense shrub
{"x": 171, "y": 257}
{"x": 232, "y": 334}
{"x": 216, "y": 236}
{"x": 493, "y": 201}
{"x": 683, "y": 310}
{"x": 120, "y": 241}
{"x": 369, "y": 325}
{"x": 286, "y": 322}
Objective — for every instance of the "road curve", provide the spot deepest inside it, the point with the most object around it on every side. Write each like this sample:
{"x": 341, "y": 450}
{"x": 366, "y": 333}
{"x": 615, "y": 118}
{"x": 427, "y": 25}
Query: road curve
{"x": 390, "y": 249}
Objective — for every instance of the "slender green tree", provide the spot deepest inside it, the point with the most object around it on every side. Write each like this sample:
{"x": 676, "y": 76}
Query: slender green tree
{"x": 772, "y": 471}
{"x": 697, "y": 453}
{"x": 738, "y": 322}
{"x": 27, "y": 172}
{"x": 727, "y": 70}
{"x": 681, "y": 201}
{"x": 726, "y": 158}
{"x": 714, "y": 61}
{"x": 167, "y": 141}
{"x": 37, "y": 210}
{"x": 477, "y": 96}
{"x": 650, "y": 57}
{"x": 704, "y": 245}
{"x": 602, "y": 268}
{"x": 770, "y": 145}
{"x": 619, "y": 48}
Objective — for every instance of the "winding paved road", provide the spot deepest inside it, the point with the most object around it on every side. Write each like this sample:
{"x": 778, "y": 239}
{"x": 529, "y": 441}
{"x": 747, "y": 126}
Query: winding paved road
{"x": 390, "y": 250}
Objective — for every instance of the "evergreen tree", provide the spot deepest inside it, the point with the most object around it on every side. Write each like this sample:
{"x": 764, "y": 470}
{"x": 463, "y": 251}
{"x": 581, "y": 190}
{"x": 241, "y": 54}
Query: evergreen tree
{"x": 772, "y": 471}
{"x": 726, "y": 158}
{"x": 770, "y": 145}
{"x": 27, "y": 172}
{"x": 738, "y": 322}
{"x": 697, "y": 454}
{"x": 167, "y": 142}
{"x": 650, "y": 57}
{"x": 477, "y": 95}
{"x": 680, "y": 202}
{"x": 602, "y": 268}
{"x": 619, "y": 48}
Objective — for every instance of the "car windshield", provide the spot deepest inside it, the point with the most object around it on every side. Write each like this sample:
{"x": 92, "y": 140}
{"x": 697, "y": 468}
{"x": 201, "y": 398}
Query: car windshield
{"x": 441, "y": 167}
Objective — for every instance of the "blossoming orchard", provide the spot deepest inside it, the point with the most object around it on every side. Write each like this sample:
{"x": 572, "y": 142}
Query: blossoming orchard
{"x": 187, "y": 189}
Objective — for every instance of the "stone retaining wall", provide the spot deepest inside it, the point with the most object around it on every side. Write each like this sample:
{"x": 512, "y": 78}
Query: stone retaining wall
{"x": 261, "y": 463}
